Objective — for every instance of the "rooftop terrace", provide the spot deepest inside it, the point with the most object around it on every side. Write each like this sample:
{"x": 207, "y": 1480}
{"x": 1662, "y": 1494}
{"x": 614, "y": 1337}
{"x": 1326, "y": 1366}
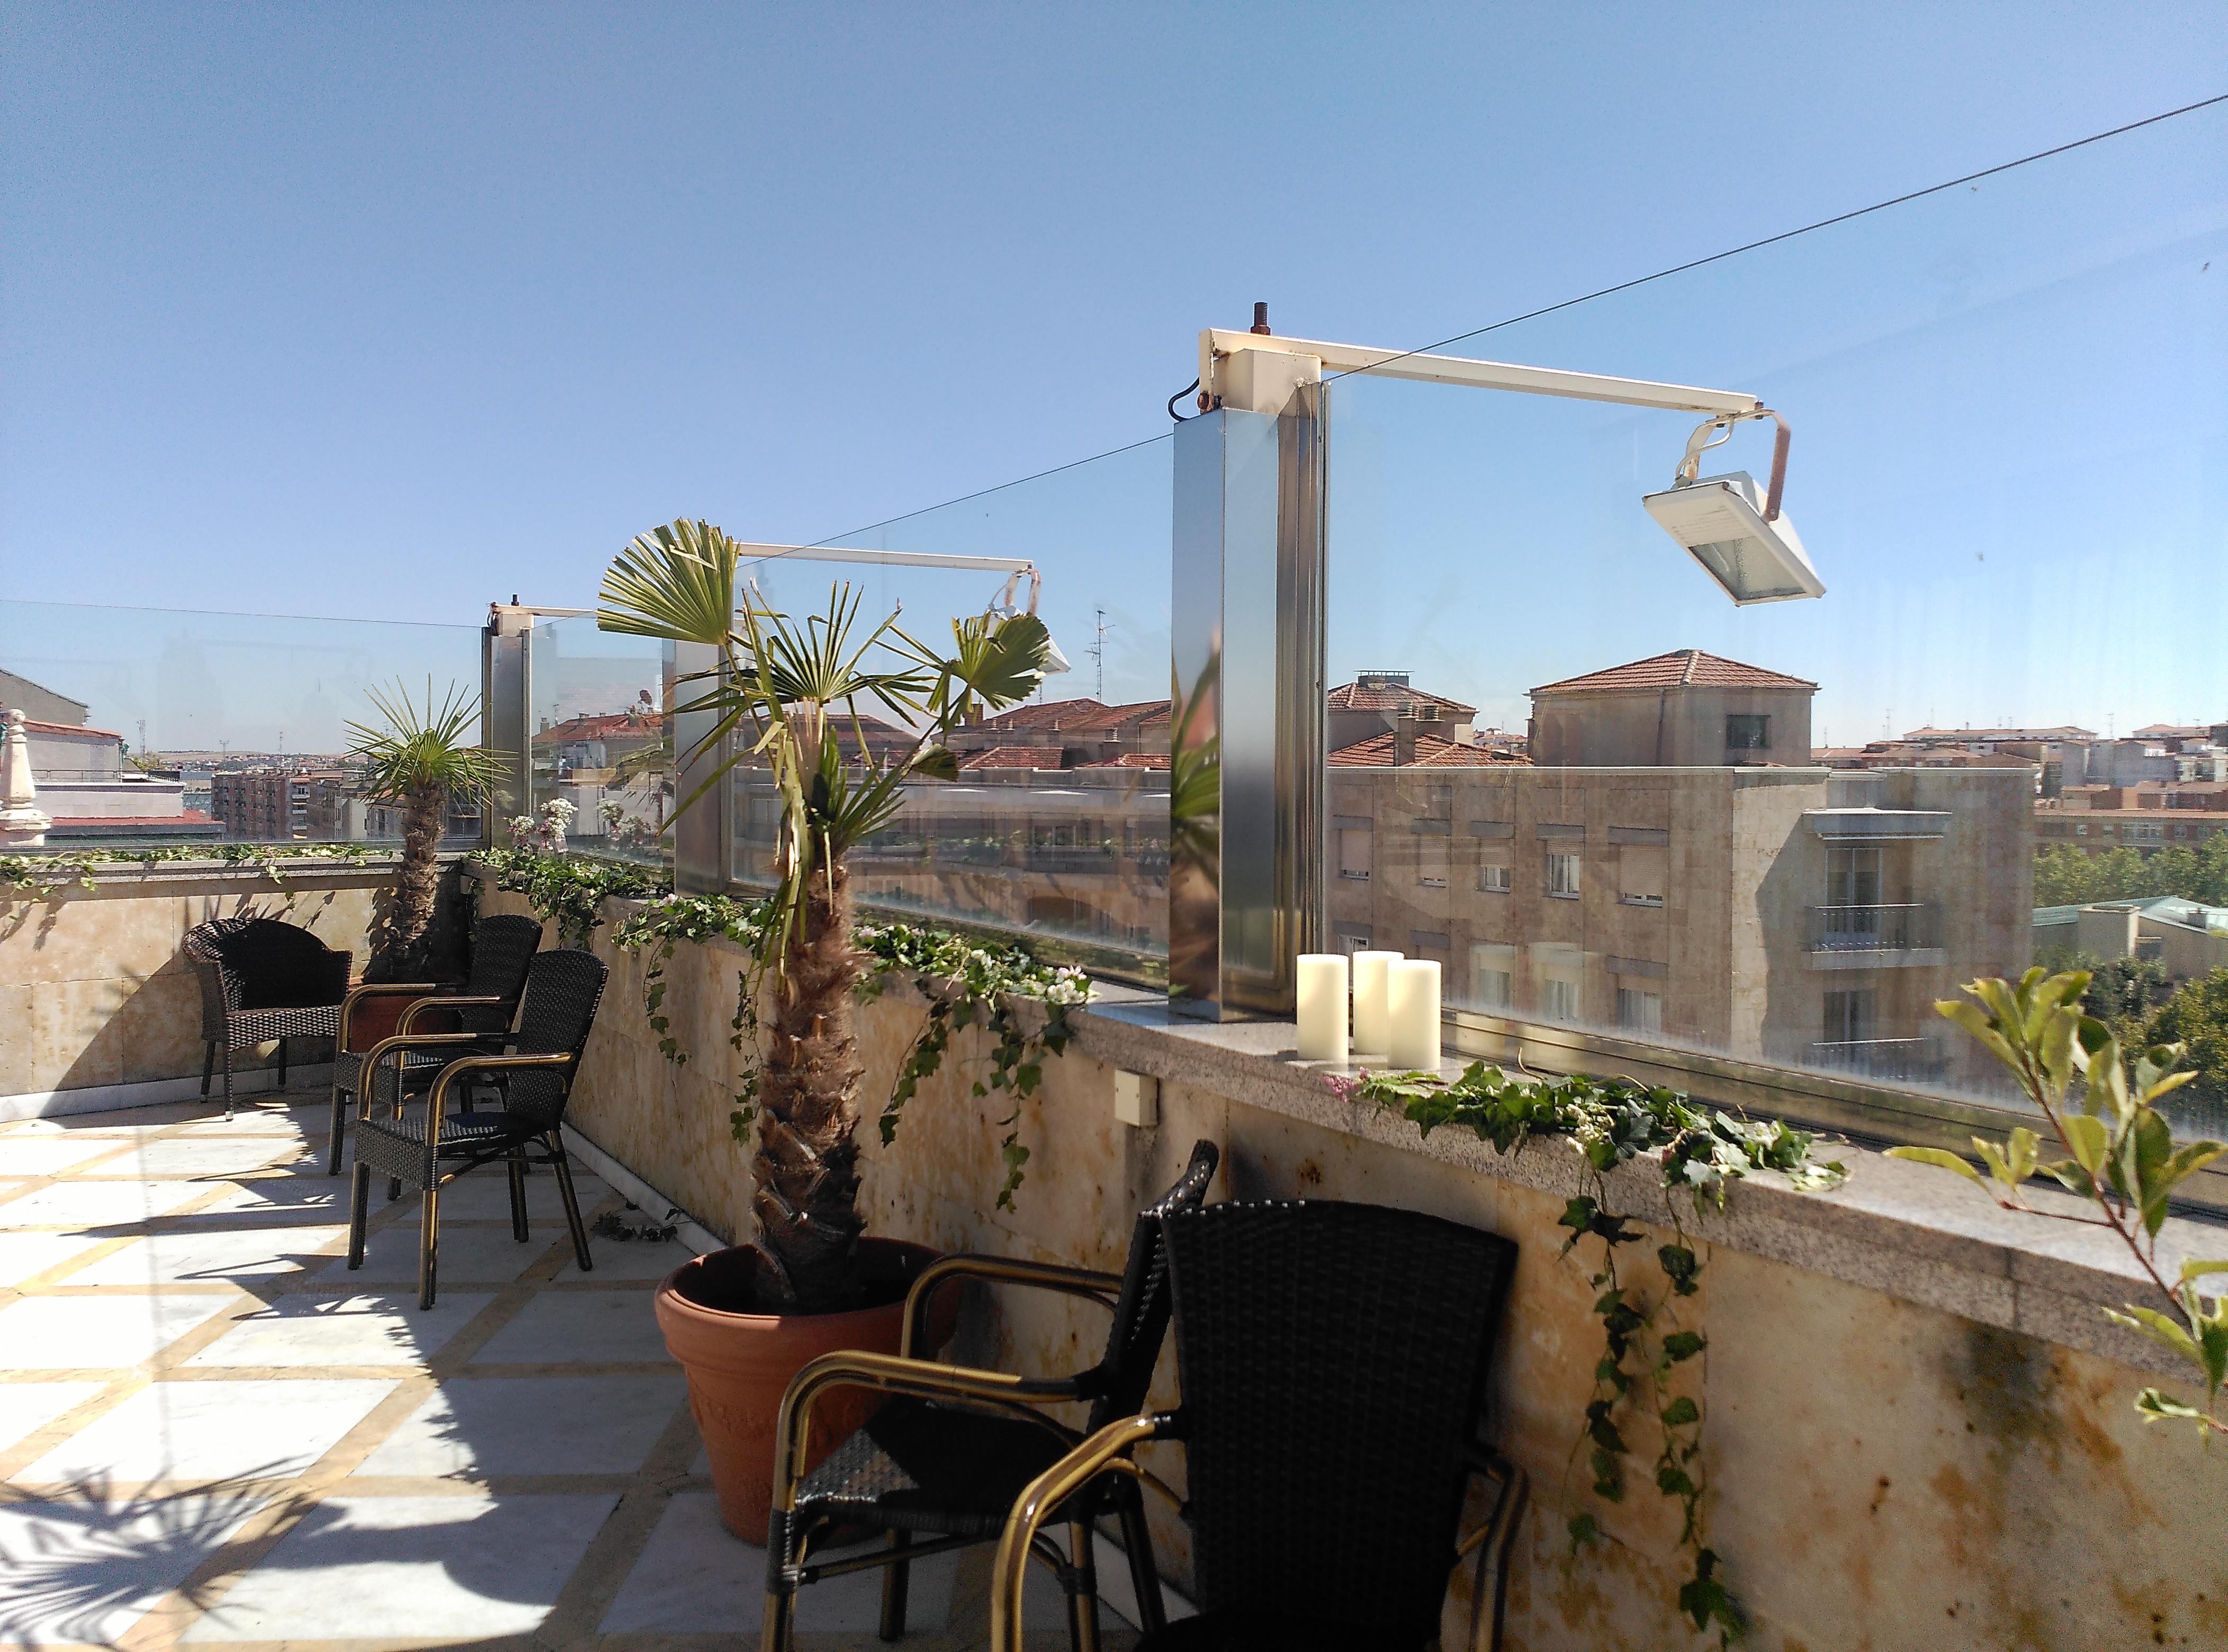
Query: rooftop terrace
{"x": 214, "y": 1435}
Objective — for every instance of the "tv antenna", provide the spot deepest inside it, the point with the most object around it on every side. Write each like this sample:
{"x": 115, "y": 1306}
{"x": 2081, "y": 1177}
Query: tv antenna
{"x": 1097, "y": 652}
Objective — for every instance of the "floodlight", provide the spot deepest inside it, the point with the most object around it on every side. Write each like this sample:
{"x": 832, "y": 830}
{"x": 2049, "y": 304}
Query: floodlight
{"x": 1734, "y": 529}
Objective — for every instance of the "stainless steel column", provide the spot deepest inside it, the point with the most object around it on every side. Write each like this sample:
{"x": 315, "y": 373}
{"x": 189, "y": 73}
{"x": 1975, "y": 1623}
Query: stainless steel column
{"x": 703, "y": 836}
{"x": 1246, "y": 788}
{"x": 503, "y": 720}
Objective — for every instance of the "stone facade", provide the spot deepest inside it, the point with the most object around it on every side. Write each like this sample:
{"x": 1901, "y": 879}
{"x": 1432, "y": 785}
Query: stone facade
{"x": 95, "y": 991}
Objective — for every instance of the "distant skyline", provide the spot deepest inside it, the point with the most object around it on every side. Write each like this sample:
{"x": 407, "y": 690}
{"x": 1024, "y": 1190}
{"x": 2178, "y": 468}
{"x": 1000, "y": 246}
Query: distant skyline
{"x": 390, "y": 313}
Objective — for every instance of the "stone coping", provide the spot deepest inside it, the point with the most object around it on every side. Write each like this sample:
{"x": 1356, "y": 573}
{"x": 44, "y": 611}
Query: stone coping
{"x": 1909, "y": 1231}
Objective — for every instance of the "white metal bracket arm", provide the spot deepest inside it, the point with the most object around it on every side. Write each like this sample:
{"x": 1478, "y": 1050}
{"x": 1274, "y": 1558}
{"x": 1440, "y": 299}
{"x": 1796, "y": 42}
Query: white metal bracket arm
{"x": 1216, "y": 344}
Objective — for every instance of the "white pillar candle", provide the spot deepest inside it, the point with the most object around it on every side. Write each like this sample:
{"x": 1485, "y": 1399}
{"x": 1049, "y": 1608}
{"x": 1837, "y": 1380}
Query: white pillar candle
{"x": 1412, "y": 991}
{"x": 1322, "y": 1007}
{"x": 1372, "y": 1031}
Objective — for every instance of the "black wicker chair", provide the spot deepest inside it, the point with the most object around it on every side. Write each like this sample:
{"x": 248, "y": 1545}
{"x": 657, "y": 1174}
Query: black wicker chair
{"x": 535, "y": 1076}
{"x": 482, "y": 1003}
{"x": 1333, "y": 1360}
{"x": 944, "y": 1457}
{"x": 262, "y": 979}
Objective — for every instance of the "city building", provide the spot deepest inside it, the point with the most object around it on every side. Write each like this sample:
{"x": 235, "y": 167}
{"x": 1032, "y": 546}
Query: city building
{"x": 2099, "y": 819}
{"x": 2188, "y": 938}
{"x": 85, "y": 786}
{"x": 1790, "y": 915}
{"x": 1684, "y": 709}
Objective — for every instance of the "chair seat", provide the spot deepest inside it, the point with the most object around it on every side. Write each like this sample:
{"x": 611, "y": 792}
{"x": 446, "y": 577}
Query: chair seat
{"x": 920, "y": 1467}
{"x": 1234, "y": 1632}
{"x": 470, "y": 1134}
{"x": 301, "y": 1020}
{"x": 348, "y": 1065}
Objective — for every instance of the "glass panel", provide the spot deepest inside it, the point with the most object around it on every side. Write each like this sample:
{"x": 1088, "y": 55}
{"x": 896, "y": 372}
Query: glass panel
{"x": 150, "y": 727}
{"x": 1783, "y": 831}
{"x": 601, "y": 743}
{"x": 1058, "y": 825}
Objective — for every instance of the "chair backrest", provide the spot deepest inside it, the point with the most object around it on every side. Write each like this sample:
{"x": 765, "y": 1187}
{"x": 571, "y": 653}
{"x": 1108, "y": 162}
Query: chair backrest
{"x": 1333, "y": 1358}
{"x": 503, "y": 946}
{"x": 263, "y": 963}
{"x": 1141, "y": 1312}
{"x": 554, "y": 1016}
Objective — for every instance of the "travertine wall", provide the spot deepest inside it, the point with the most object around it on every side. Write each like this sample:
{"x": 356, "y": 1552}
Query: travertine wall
{"x": 95, "y": 987}
{"x": 1890, "y": 1475}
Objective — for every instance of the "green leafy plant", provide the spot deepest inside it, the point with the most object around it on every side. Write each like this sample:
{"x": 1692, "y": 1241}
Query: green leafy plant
{"x": 966, "y": 982}
{"x": 1701, "y": 1152}
{"x": 786, "y": 692}
{"x": 2120, "y": 1158}
{"x": 569, "y": 890}
{"x": 37, "y": 876}
{"x": 419, "y": 758}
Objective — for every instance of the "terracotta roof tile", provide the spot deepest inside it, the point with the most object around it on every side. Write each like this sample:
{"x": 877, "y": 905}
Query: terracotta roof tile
{"x": 1156, "y": 760}
{"x": 1683, "y": 667}
{"x": 1012, "y": 757}
{"x": 1051, "y": 714}
{"x": 1431, "y": 753}
{"x": 31, "y": 725}
{"x": 587, "y": 727}
{"x": 1391, "y": 696}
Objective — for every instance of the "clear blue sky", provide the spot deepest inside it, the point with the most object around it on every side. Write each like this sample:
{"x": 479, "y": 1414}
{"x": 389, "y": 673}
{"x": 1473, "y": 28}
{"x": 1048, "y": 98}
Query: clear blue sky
{"x": 385, "y": 311}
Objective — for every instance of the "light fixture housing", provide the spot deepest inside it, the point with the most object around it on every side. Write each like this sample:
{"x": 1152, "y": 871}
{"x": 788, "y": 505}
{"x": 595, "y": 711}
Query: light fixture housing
{"x": 1722, "y": 522}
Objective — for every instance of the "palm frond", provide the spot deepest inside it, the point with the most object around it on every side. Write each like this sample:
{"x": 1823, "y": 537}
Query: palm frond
{"x": 416, "y": 750}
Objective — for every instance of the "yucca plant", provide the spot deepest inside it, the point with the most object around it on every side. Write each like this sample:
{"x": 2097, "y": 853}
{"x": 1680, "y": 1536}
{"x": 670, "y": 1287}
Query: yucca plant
{"x": 787, "y": 692}
{"x": 419, "y": 758}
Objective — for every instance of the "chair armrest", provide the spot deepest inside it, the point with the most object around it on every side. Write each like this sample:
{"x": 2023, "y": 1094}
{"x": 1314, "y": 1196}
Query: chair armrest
{"x": 1076, "y": 1282}
{"x": 377, "y": 990}
{"x": 412, "y": 1014}
{"x": 1105, "y": 1452}
{"x": 893, "y": 1374}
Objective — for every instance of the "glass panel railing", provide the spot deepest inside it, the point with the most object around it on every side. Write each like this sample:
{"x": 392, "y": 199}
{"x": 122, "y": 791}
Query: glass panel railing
{"x": 153, "y": 728}
{"x": 600, "y": 741}
{"x": 1056, "y": 828}
{"x": 1564, "y": 764}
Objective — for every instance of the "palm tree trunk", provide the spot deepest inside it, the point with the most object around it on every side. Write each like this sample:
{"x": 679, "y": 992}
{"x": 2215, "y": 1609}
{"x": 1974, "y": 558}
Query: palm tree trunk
{"x": 806, "y": 1168}
{"x": 419, "y": 884}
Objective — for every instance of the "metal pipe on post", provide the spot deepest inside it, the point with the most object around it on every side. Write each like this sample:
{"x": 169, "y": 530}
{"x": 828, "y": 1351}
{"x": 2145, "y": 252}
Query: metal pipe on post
{"x": 504, "y": 723}
{"x": 703, "y": 836}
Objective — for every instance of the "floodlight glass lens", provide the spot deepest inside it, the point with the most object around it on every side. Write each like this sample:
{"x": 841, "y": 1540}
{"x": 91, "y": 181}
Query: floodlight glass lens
{"x": 1749, "y": 578}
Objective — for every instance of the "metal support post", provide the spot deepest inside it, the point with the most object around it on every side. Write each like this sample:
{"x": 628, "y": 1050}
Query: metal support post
{"x": 1246, "y": 795}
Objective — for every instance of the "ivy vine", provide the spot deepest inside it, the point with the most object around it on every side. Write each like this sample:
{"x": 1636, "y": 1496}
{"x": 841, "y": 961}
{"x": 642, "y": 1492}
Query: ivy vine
{"x": 37, "y": 876}
{"x": 569, "y": 890}
{"x": 1702, "y": 1151}
{"x": 966, "y": 982}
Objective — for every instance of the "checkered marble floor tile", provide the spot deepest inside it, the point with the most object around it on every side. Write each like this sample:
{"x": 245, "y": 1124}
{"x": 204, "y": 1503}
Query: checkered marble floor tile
{"x": 212, "y": 1433}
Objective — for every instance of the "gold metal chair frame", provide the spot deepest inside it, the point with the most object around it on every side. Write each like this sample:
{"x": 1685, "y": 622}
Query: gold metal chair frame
{"x": 1108, "y": 1451}
{"x": 964, "y": 1387}
{"x": 429, "y": 1231}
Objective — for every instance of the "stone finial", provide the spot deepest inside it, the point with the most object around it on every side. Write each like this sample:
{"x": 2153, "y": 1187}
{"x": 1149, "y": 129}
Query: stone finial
{"x": 22, "y": 825}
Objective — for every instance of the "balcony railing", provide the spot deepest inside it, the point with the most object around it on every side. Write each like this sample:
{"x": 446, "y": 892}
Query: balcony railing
{"x": 1909, "y": 1061}
{"x": 1874, "y": 928}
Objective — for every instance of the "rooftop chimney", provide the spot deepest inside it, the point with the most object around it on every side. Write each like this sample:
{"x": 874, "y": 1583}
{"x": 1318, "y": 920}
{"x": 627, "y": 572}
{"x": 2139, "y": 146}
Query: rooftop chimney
{"x": 1260, "y": 317}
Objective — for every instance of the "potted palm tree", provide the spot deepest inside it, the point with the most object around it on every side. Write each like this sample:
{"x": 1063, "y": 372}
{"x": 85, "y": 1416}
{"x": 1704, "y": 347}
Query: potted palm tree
{"x": 787, "y": 694}
{"x": 418, "y": 759}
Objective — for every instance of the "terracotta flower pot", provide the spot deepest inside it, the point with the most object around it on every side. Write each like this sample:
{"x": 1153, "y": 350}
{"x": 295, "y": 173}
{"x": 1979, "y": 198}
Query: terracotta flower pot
{"x": 740, "y": 1364}
{"x": 381, "y": 1016}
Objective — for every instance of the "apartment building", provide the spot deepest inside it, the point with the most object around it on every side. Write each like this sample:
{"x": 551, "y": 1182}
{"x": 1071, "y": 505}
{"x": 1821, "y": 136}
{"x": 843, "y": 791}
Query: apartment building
{"x": 2099, "y": 819}
{"x": 1786, "y": 915}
